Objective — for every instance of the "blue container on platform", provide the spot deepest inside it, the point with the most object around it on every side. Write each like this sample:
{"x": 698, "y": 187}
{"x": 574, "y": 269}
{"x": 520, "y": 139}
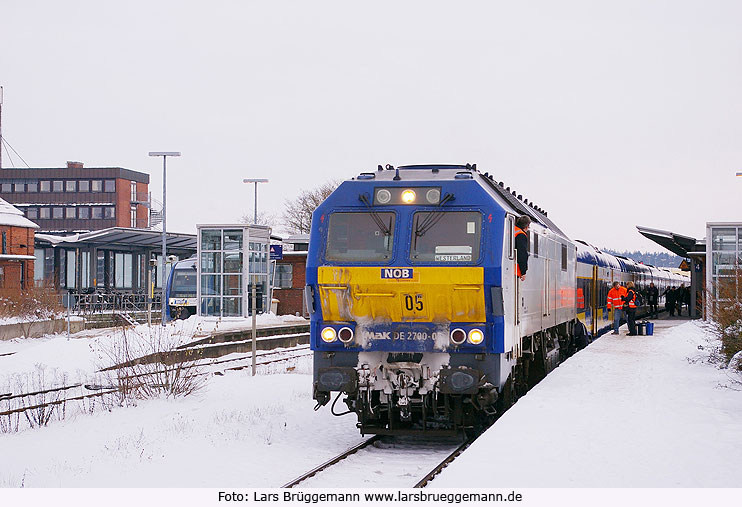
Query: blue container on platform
{"x": 650, "y": 328}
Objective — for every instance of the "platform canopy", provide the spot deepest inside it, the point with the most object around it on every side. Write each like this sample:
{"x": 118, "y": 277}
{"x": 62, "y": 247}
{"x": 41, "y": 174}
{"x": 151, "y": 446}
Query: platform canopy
{"x": 122, "y": 237}
{"x": 684, "y": 246}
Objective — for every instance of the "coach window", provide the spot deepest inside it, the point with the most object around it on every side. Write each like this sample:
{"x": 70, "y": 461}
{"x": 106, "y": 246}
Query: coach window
{"x": 446, "y": 236}
{"x": 110, "y": 186}
{"x": 564, "y": 257}
{"x": 360, "y": 237}
{"x": 511, "y": 237}
{"x": 83, "y": 186}
{"x": 535, "y": 244}
{"x": 57, "y": 186}
{"x": 70, "y": 186}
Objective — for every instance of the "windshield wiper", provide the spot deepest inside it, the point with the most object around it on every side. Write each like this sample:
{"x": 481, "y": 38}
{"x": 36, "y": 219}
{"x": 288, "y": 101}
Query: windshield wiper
{"x": 387, "y": 230}
{"x": 433, "y": 218}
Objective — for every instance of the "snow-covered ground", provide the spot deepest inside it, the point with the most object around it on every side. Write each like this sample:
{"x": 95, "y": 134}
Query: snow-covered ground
{"x": 639, "y": 411}
{"x": 627, "y": 411}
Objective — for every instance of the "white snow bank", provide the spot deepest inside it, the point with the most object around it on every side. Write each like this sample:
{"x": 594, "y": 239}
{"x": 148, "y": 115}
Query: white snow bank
{"x": 625, "y": 412}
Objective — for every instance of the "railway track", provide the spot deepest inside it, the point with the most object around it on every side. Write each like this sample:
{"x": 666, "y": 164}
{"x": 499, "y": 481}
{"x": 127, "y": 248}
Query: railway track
{"x": 205, "y": 367}
{"x": 384, "y": 461}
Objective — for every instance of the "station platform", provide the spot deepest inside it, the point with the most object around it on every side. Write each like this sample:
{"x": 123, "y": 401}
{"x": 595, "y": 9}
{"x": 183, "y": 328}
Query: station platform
{"x": 627, "y": 411}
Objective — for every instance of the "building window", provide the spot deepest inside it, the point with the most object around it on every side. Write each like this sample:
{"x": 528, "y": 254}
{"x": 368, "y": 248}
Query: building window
{"x": 71, "y": 265}
{"x": 284, "y": 276}
{"x": 44, "y": 212}
{"x": 5, "y": 242}
{"x": 83, "y": 212}
{"x": 69, "y": 212}
{"x": 57, "y": 186}
{"x": 46, "y": 186}
{"x": 6, "y": 188}
{"x": 97, "y": 185}
{"x": 32, "y": 213}
{"x": 32, "y": 186}
{"x": 110, "y": 212}
{"x": 133, "y": 215}
{"x": 2, "y": 277}
{"x": 70, "y": 186}
{"x": 19, "y": 187}
{"x": 110, "y": 186}
{"x": 133, "y": 191}
{"x": 57, "y": 212}
{"x": 97, "y": 212}
{"x": 83, "y": 186}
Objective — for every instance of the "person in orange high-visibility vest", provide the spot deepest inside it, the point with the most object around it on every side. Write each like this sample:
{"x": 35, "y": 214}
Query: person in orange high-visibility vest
{"x": 521, "y": 246}
{"x": 630, "y": 303}
{"x": 615, "y": 302}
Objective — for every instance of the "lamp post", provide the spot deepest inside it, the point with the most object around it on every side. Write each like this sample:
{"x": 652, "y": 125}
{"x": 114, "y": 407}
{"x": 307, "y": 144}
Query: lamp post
{"x": 254, "y": 278}
{"x": 256, "y": 181}
{"x": 164, "y": 155}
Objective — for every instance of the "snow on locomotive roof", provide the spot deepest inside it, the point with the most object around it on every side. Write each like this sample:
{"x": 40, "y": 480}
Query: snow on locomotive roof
{"x": 432, "y": 172}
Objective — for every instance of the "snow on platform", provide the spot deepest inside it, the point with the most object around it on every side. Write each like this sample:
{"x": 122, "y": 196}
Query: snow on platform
{"x": 639, "y": 411}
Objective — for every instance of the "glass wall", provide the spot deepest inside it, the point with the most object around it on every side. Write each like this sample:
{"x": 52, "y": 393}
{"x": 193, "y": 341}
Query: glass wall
{"x": 225, "y": 281}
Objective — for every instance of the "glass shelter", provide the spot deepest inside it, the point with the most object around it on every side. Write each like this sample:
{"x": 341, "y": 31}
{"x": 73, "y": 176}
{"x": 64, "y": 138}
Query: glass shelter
{"x": 231, "y": 260}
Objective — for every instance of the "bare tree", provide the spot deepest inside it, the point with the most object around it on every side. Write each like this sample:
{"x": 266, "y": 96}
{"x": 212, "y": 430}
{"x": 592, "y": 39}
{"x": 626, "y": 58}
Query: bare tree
{"x": 264, "y": 218}
{"x": 297, "y": 215}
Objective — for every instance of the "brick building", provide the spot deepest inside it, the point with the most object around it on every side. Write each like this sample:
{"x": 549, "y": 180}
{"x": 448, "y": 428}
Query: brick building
{"x": 17, "y": 254}
{"x": 290, "y": 277}
{"x": 78, "y": 199}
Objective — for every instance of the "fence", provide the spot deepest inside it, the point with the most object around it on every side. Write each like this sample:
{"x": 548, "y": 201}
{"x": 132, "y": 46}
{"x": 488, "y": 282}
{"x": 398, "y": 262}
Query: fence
{"x": 109, "y": 302}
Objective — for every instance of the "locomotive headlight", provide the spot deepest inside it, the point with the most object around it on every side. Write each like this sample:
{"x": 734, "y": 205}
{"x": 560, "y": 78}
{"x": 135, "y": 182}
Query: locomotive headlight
{"x": 408, "y": 196}
{"x": 345, "y": 334}
{"x": 328, "y": 335}
{"x": 458, "y": 336}
{"x": 383, "y": 196}
{"x": 433, "y": 196}
{"x": 476, "y": 336}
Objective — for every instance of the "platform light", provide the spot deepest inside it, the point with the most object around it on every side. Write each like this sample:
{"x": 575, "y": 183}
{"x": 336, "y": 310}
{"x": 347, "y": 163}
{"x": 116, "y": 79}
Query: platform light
{"x": 476, "y": 336}
{"x": 328, "y": 335}
{"x": 408, "y": 196}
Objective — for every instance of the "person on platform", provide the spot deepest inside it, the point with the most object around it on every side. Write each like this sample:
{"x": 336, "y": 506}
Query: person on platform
{"x": 630, "y": 304}
{"x": 615, "y": 303}
{"x": 653, "y": 295}
{"x": 521, "y": 246}
{"x": 670, "y": 300}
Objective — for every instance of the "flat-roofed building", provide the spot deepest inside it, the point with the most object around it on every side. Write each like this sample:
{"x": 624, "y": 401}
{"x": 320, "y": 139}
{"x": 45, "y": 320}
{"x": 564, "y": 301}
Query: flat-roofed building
{"x": 75, "y": 199}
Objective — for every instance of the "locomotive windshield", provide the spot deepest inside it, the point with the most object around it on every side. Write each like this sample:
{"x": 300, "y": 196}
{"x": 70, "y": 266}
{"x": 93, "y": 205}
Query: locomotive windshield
{"x": 360, "y": 237}
{"x": 446, "y": 236}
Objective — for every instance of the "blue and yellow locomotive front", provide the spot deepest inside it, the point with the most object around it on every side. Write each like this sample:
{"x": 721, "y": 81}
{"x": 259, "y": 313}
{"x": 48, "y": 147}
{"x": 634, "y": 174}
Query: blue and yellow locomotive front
{"x": 402, "y": 272}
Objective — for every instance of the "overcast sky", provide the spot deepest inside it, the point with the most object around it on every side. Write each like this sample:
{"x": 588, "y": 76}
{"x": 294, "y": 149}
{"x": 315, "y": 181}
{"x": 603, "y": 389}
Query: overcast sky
{"x": 607, "y": 114}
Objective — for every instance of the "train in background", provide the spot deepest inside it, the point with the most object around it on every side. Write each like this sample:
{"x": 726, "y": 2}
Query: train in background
{"x": 180, "y": 292}
{"x": 417, "y": 315}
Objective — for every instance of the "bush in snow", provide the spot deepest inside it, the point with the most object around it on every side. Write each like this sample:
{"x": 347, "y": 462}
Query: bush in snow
{"x": 147, "y": 364}
{"x": 727, "y": 315}
{"x": 30, "y": 305}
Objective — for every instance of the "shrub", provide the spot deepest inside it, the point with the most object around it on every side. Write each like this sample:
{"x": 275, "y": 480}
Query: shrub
{"x": 727, "y": 315}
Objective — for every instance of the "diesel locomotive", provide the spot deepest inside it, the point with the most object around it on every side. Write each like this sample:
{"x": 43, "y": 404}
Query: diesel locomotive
{"x": 417, "y": 315}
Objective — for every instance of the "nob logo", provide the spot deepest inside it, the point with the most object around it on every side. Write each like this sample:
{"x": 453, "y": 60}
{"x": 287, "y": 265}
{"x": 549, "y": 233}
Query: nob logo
{"x": 396, "y": 273}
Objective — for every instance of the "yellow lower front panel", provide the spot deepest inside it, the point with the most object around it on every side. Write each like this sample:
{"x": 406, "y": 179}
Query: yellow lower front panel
{"x": 417, "y": 294}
